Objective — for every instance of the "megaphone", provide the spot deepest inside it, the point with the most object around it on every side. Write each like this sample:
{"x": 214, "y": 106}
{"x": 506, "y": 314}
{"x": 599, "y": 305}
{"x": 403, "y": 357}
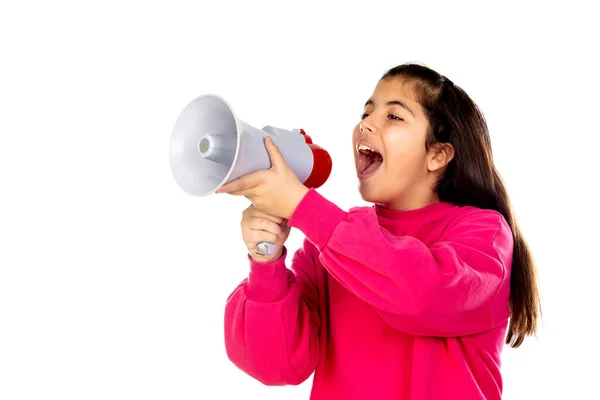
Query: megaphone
{"x": 210, "y": 146}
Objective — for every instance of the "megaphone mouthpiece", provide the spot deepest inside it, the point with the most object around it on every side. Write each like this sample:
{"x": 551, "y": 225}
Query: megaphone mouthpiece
{"x": 321, "y": 169}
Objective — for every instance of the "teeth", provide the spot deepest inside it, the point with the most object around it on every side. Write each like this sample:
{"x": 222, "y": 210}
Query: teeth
{"x": 363, "y": 147}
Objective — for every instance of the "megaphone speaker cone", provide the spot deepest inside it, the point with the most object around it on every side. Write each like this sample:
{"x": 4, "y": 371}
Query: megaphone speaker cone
{"x": 204, "y": 145}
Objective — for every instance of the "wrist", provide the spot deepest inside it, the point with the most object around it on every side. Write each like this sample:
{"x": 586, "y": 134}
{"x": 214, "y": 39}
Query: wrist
{"x": 297, "y": 198}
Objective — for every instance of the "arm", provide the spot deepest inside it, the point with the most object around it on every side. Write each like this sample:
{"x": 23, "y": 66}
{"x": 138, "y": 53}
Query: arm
{"x": 272, "y": 320}
{"x": 457, "y": 286}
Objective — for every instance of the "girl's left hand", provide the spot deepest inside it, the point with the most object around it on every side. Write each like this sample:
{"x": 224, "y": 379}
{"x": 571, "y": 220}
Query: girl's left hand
{"x": 276, "y": 191}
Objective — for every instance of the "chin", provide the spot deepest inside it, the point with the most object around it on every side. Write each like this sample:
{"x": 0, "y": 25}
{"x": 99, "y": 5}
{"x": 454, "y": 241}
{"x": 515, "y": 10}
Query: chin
{"x": 368, "y": 194}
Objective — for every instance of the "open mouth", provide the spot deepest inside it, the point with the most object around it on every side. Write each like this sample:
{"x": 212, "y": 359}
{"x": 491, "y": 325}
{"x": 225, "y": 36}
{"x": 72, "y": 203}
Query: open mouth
{"x": 369, "y": 161}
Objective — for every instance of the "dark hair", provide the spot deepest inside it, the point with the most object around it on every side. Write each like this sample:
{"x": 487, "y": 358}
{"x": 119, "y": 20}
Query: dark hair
{"x": 472, "y": 179}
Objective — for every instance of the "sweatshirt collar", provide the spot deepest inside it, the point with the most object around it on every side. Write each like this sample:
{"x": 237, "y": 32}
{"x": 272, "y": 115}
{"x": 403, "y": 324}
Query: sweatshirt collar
{"x": 428, "y": 210}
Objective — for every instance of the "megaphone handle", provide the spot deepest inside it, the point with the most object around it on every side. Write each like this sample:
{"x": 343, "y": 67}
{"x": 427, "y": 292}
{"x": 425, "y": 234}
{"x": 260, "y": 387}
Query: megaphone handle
{"x": 266, "y": 248}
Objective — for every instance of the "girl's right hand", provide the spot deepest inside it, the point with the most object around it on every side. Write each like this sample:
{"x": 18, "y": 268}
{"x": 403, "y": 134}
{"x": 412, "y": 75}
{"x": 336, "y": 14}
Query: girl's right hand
{"x": 258, "y": 226}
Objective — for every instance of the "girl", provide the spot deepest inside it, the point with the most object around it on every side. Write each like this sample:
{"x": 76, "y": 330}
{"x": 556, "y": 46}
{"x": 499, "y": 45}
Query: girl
{"x": 409, "y": 298}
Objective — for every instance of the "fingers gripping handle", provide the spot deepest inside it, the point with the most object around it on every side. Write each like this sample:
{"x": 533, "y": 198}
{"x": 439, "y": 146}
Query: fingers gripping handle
{"x": 265, "y": 249}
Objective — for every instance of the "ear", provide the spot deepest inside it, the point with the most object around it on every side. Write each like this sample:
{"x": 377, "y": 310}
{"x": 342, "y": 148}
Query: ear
{"x": 440, "y": 155}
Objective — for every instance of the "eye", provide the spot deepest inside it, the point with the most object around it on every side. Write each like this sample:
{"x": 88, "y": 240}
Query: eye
{"x": 392, "y": 116}
{"x": 365, "y": 115}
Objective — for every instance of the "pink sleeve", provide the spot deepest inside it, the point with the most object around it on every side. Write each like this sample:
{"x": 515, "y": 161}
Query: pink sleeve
{"x": 272, "y": 320}
{"x": 457, "y": 286}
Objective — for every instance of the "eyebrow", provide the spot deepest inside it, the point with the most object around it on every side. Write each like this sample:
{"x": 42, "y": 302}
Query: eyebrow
{"x": 393, "y": 103}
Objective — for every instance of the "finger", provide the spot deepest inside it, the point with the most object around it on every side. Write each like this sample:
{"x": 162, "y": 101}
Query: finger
{"x": 277, "y": 160}
{"x": 249, "y": 192}
{"x": 253, "y": 212}
{"x": 277, "y": 220}
{"x": 245, "y": 182}
{"x": 265, "y": 225}
{"x": 254, "y": 237}
{"x": 234, "y": 186}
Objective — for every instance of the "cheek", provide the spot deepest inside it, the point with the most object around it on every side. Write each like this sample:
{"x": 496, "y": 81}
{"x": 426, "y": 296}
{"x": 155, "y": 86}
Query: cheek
{"x": 404, "y": 155}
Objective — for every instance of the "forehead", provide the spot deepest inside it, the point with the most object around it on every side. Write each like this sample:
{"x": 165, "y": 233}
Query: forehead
{"x": 396, "y": 89}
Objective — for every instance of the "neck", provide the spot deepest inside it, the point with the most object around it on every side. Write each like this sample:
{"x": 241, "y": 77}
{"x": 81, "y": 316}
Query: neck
{"x": 414, "y": 202}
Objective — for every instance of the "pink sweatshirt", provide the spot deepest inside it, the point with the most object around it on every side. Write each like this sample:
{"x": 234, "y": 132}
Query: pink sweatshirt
{"x": 379, "y": 304}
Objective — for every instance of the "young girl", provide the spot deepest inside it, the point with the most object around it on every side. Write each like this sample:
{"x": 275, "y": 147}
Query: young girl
{"x": 409, "y": 298}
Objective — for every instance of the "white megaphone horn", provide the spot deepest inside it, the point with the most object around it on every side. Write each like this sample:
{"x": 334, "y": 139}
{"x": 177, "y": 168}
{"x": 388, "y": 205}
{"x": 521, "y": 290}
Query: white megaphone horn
{"x": 210, "y": 146}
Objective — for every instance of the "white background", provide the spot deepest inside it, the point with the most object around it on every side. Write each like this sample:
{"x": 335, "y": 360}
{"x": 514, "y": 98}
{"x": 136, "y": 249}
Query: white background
{"x": 113, "y": 280}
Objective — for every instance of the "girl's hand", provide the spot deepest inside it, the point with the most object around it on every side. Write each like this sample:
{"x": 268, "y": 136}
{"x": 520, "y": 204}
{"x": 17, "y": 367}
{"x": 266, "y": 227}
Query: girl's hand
{"x": 276, "y": 191}
{"x": 258, "y": 226}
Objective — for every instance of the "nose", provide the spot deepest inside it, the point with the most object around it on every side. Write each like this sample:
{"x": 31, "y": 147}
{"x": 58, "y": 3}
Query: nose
{"x": 365, "y": 126}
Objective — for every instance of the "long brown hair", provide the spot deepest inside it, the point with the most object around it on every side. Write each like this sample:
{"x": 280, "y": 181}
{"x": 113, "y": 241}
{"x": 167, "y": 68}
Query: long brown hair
{"x": 472, "y": 179}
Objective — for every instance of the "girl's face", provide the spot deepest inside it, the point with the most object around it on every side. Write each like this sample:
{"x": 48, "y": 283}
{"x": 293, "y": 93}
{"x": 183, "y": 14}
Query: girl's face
{"x": 393, "y": 167}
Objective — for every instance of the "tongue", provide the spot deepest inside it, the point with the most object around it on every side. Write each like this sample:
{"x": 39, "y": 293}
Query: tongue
{"x": 372, "y": 167}
{"x": 369, "y": 163}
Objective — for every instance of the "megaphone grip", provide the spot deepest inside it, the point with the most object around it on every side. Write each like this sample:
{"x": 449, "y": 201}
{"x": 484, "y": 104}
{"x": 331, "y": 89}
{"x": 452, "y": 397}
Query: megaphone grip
{"x": 265, "y": 248}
